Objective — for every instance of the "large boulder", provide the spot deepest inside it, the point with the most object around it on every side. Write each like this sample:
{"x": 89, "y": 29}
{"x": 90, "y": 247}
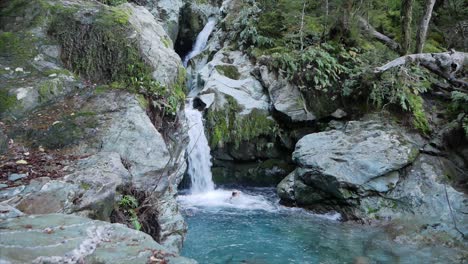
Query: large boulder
{"x": 58, "y": 238}
{"x": 371, "y": 169}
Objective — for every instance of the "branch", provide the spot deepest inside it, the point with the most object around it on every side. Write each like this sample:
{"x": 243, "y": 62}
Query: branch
{"x": 364, "y": 25}
{"x": 445, "y": 64}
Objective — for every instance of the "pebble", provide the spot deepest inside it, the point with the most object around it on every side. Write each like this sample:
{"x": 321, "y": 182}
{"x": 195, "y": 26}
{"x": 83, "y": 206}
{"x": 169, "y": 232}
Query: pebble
{"x": 16, "y": 176}
{"x": 22, "y": 162}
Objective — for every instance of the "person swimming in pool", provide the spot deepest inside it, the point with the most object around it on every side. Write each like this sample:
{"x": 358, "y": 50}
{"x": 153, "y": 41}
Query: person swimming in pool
{"x": 234, "y": 194}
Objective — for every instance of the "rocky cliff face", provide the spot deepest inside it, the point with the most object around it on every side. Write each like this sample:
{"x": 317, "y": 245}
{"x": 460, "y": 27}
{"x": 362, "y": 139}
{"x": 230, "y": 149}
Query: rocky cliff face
{"x": 81, "y": 112}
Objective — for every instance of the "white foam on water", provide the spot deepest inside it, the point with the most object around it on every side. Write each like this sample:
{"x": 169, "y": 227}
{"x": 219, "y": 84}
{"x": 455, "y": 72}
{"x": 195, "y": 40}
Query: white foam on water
{"x": 223, "y": 199}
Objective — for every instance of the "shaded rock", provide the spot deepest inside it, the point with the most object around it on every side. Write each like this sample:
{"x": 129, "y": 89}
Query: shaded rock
{"x": 53, "y": 197}
{"x": 204, "y": 101}
{"x": 61, "y": 238}
{"x": 129, "y": 132}
{"x": 339, "y": 114}
{"x": 168, "y": 11}
{"x": 98, "y": 178}
{"x": 257, "y": 173}
{"x": 16, "y": 176}
{"x": 3, "y": 142}
{"x": 285, "y": 97}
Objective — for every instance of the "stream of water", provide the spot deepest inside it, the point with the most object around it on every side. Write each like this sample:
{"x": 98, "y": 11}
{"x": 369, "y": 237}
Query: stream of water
{"x": 201, "y": 40}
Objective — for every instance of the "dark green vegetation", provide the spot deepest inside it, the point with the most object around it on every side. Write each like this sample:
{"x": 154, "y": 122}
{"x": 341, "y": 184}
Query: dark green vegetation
{"x": 103, "y": 52}
{"x": 95, "y": 45}
{"x": 320, "y": 46}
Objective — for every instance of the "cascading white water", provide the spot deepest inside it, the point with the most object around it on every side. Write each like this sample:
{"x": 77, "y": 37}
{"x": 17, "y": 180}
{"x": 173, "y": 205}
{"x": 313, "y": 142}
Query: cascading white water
{"x": 201, "y": 41}
{"x": 199, "y": 157}
{"x": 202, "y": 191}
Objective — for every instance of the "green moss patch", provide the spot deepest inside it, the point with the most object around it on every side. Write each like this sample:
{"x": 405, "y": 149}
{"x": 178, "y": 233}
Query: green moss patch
{"x": 99, "y": 51}
{"x": 17, "y": 48}
{"x": 229, "y": 71}
{"x": 7, "y": 101}
{"x": 226, "y": 126}
{"x": 68, "y": 131}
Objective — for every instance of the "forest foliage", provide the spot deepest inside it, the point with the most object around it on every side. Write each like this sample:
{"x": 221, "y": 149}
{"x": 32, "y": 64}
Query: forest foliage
{"x": 319, "y": 46}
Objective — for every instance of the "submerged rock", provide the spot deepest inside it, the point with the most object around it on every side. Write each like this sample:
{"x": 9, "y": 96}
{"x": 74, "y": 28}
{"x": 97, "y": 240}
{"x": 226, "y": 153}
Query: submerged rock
{"x": 58, "y": 238}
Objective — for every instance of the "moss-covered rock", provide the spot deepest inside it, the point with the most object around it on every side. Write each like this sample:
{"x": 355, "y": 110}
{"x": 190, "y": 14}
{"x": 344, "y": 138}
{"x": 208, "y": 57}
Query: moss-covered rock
{"x": 227, "y": 126}
{"x": 229, "y": 71}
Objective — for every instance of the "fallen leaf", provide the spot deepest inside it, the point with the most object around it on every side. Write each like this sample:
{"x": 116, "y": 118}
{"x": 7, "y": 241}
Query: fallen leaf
{"x": 21, "y": 162}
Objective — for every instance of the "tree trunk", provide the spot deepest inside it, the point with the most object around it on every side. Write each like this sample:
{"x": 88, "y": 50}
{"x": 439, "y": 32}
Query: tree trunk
{"x": 302, "y": 24}
{"x": 445, "y": 64}
{"x": 424, "y": 25}
{"x": 369, "y": 29}
{"x": 406, "y": 18}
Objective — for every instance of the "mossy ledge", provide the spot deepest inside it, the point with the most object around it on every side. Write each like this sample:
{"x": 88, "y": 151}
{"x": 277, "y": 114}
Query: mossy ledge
{"x": 98, "y": 46}
{"x": 227, "y": 126}
{"x": 95, "y": 44}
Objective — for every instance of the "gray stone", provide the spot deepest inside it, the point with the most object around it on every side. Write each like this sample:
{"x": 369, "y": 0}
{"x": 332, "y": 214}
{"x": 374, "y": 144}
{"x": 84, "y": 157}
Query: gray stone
{"x": 339, "y": 114}
{"x": 358, "y": 156}
{"x": 168, "y": 12}
{"x": 244, "y": 88}
{"x": 16, "y": 176}
{"x": 11, "y": 192}
{"x": 7, "y": 211}
{"x": 155, "y": 46}
{"x": 130, "y": 133}
{"x": 58, "y": 238}
{"x": 285, "y": 97}
{"x": 2, "y": 185}
{"x": 53, "y": 197}
{"x": 98, "y": 178}
{"x": 207, "y": 99}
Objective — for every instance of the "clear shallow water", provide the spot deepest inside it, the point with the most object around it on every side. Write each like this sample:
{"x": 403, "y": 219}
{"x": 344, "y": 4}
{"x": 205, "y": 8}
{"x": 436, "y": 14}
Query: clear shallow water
{"x": 222, "y": 232}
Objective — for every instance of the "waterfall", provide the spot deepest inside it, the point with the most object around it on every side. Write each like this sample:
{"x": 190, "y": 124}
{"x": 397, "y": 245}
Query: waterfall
{"x": 201, "y": 41}
{"x": 199, "y": 157}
